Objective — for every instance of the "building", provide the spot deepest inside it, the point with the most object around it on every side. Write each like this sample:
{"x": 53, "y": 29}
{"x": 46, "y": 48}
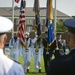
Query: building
{"x": 30, "y": 17}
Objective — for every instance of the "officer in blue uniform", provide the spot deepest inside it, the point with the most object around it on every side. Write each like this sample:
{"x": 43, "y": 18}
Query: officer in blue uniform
{"x": 65, "y": 65}
{"x": 7, "y": 66}
{"x": 48, "y": 50}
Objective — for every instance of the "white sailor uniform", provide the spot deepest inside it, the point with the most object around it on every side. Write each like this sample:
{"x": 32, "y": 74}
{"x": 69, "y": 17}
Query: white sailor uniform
{"x": 14, "y": 48}
{"x": 32, "y": 45}
{"x": 37, "y": 57}
{"x": 8, "y": 66}
{"x": 26, "y": 57}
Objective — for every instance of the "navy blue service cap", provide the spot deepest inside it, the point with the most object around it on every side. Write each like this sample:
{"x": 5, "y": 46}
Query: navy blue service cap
{"x": 5, "y": 25}
{"x": 58, "y": 34}
{"x": 70, "y": 24}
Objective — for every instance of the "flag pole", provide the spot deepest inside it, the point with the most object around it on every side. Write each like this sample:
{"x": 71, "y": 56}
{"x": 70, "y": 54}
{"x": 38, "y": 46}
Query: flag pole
{"x": 13, "y": 17}
{"x": 55, "y": 17}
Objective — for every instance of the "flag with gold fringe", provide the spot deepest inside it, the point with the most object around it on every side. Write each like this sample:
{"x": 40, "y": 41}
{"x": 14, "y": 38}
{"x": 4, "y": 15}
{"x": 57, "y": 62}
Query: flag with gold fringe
{"x": 49, "y": 18}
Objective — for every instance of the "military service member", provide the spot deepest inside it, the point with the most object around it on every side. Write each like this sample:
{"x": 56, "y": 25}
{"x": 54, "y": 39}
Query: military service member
{"x": 48, "y": 50}
{"x": 14, "y": 44}
{"x": 7, "y": 66}
{"x": 65, "y": 65}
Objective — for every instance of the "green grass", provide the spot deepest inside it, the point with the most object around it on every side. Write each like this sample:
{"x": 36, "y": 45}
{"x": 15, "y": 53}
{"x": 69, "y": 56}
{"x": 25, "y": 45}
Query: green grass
{"x": 32, "y": 69}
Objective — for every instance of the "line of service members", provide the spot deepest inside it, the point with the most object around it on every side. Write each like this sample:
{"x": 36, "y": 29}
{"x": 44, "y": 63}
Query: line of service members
{"x": 34, "y": 47}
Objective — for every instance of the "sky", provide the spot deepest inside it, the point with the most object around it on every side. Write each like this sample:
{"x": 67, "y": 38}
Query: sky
{"x": 65, "y": 6}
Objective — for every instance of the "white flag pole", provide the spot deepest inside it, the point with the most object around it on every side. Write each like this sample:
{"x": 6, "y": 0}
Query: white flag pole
{"x": 13, "y": 17}
{"x": 55, "y": 18}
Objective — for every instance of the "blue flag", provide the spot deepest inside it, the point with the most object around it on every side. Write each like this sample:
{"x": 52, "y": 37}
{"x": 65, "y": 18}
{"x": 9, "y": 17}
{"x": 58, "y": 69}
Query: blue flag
{"x": 37, "y": 17}
{"x": 50, "y": 34}
{"x": 22, "y": 5}
{"x": 49, "y": 17}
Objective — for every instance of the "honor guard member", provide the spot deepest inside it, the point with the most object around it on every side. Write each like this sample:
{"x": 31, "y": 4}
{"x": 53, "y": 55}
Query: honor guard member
{"x": 37, "y": 56}
{"x": 7, "y": 66}
{"x": 14, "y": 44}
{"x": 61, "y": 46}
{"x": 48, "y": 50}
{"x": 26, "y": 54}
{"x": 31, "y": 42}
{"x": 65, "y": 65}
{"x": 32, "y": 39}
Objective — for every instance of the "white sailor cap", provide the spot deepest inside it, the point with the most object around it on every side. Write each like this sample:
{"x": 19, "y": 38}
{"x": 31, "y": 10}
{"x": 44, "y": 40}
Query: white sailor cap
{"x": 5, "y": 25}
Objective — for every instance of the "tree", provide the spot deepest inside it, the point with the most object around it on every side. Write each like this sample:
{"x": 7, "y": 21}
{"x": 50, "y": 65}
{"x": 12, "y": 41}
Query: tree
{"x": 60, "y": 27}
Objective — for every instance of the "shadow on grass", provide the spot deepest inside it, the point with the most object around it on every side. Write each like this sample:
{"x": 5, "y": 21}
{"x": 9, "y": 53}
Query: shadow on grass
{"x": 34, "y": 73}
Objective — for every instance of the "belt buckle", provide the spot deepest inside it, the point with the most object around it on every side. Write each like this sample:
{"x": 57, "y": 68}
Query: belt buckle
{"x": 26, "y": 50}
{"x": 47, "y": 52}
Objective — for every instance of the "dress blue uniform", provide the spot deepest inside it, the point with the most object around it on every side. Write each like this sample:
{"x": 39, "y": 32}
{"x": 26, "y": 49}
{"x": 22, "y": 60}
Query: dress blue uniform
{"x": 7, "y": 66}
{"x": 65, "y": 65}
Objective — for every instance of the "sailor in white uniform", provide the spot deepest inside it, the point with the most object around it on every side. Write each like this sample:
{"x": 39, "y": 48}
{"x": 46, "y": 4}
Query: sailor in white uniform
{"x": 7, "y": 66}
{"x": 14, "y": 45}
{"x": 26, "y": 54}
{"x": 37, "y": 55}
{"x": 31, "y": 42}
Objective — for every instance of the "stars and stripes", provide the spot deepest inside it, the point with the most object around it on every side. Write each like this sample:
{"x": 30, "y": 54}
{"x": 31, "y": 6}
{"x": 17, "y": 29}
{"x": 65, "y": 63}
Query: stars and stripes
{"x": 22, "y": 24}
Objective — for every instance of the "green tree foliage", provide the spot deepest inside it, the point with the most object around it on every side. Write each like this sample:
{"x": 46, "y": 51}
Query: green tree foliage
{"x": 60, "y": 27}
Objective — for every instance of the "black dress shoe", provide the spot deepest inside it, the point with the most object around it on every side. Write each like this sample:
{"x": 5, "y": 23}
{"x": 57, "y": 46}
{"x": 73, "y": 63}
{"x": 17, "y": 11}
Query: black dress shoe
{"x": 39, "y": 70}
{"x": 27, "y": 70}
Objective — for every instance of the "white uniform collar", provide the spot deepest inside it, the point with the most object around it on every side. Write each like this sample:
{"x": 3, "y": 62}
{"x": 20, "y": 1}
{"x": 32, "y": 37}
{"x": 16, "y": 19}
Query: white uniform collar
{"x": 59, "y": 39}
{"x": 1, "y": 51}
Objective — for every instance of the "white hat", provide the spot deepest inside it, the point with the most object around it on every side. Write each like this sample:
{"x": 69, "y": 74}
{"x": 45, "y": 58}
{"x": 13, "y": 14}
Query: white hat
{"x": 5, "y": 24}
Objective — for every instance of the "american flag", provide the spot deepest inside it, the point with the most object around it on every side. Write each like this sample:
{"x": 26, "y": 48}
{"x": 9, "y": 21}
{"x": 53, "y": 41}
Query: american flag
{"x": 17, "y": 1}
{"x": 22, "y": 24}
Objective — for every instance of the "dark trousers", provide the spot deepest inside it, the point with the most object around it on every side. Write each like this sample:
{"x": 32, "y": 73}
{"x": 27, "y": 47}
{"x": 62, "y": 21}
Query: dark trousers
{"x": 47, "y": 59}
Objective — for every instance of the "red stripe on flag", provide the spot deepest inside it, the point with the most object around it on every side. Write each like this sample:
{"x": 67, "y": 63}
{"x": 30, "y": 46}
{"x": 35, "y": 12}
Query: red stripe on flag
{"x": 21, "y": 27}
{"x": 17, "y": 1}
